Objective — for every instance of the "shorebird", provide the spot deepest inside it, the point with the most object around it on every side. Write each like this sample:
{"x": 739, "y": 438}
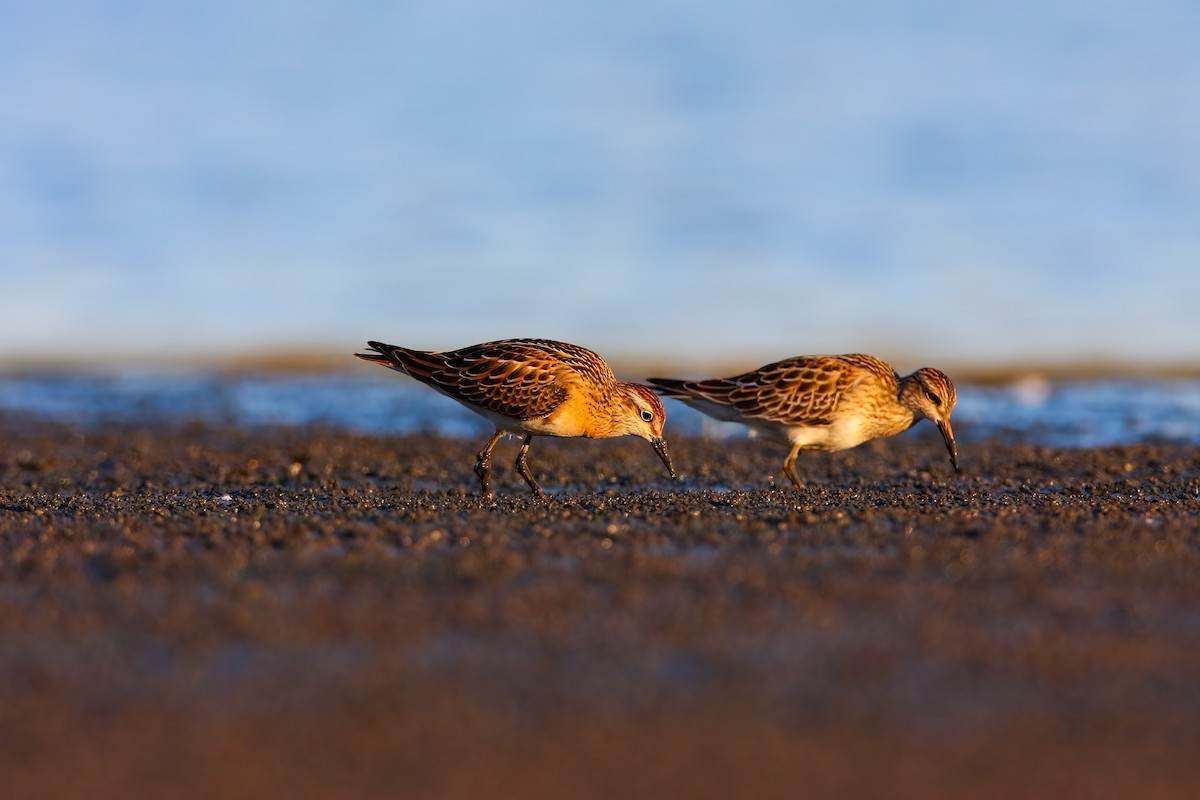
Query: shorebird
{"x": 823, "y": 402}
{"x": 533, "y": 387}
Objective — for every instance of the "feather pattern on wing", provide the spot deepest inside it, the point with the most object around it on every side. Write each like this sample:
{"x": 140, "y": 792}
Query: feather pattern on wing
{"x": 804, "y": 390}
{"x": 518, "y": 378}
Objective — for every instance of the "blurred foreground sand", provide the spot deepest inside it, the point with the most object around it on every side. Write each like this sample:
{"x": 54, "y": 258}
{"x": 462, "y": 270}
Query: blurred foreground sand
{"x": 215, "y": 612}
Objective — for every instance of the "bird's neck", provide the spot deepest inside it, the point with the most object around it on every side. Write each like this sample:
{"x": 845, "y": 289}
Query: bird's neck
{"x": 906, "y": 409}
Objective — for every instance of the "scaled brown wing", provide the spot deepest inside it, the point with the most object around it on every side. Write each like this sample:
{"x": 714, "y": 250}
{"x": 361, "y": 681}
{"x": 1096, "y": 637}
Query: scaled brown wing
{"x": 521, "y": 383}
{"x": 797, "y": 391}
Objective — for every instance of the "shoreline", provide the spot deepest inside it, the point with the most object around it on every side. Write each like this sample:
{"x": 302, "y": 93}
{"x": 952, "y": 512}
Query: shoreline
{"x": 628, "y": 366}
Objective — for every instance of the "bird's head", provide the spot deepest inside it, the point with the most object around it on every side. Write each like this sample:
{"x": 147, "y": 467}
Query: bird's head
{"x": 929, "y": 393}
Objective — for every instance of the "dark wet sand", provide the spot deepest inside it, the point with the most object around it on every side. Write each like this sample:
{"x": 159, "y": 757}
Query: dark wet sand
{"x": 210, "y": 612}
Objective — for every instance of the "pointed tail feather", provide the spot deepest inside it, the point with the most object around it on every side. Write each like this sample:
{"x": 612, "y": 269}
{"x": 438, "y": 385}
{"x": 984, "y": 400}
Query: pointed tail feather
{"x": 417, "y": 363}
{"x": 716, "y": 390}
{"x": 374, "y": 358}
{"x": 669, "y": 387}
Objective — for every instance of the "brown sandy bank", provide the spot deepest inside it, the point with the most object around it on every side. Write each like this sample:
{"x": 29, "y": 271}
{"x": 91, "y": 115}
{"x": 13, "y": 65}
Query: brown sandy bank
{"x": 215, "y": 612}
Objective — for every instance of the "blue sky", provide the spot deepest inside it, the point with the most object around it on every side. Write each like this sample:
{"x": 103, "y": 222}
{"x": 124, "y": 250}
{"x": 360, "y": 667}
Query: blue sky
{"x": 996, "y": 181}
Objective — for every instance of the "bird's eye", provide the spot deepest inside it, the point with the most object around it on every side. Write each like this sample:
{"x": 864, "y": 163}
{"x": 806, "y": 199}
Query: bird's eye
{"x": 933, "y": 398}
{"x": 647, "y": 416}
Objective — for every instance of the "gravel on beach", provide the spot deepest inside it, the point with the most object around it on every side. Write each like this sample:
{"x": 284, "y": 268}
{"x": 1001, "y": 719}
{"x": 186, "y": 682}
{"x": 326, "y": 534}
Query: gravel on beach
{"x": 214, "y": 611}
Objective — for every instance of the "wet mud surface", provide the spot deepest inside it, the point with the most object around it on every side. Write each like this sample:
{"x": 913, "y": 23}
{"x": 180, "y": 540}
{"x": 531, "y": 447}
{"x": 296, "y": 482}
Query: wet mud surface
{"x": 205, "y": 611}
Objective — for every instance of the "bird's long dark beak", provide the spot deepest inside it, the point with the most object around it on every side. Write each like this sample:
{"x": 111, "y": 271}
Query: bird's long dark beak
{"x": 948, "y": 438}
{"x": 660, "y": 447}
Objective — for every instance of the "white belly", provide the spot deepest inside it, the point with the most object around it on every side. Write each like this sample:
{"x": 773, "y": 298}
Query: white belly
{"x": 839, "y": 436}
{"x": 846, "y": 432}
{"x": 538, "y": 426}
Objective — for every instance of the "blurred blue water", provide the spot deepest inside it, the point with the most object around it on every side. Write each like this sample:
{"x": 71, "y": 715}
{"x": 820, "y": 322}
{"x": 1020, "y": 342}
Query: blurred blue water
{"x": 1072, "y": 414}
{"x": 990, "y": 180}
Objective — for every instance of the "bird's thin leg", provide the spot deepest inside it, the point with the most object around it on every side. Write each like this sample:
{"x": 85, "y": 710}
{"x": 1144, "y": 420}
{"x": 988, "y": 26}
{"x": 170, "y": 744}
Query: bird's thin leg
{"x": 789, "y": 467}
{"x": 523, "y": 468}
{"x": 483, "y": 463}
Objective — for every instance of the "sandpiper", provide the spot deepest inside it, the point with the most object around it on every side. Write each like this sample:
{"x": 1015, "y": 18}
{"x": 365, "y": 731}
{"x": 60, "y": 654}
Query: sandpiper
{"x": 533, "y": 387}
{"x": 823, "y": 402}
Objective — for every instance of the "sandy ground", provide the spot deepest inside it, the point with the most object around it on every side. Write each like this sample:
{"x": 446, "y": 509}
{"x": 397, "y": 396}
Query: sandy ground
{"x": 213, "y": 612}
